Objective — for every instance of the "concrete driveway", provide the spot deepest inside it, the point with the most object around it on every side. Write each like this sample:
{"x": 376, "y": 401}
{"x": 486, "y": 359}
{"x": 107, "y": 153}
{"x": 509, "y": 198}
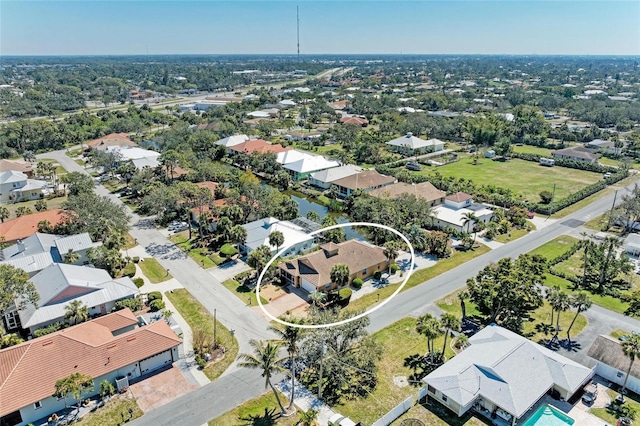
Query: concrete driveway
{"x": 161, "y": 388}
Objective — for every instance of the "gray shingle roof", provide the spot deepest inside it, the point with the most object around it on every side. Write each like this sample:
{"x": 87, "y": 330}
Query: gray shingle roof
{"x": 608, "y": 351}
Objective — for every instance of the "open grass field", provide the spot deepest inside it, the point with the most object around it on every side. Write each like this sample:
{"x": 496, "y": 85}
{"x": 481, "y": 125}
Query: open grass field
{"x": 457, "y": 258}
{"x": 111, "y": 413}
{"x": 253, "y": 413}
{"x": 397, "y": 342}
{"x": 555, "y": 247}
{"x": 530, "y": 149}
{"x": 523, "y": 177}
{"x": 153, "y": 270}
{"x": 196, "y": 316}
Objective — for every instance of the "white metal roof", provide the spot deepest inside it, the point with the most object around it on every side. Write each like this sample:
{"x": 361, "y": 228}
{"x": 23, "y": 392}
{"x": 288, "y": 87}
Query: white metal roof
{"x": 258, "y": 233}
{"x": 311, "y": 164}
{"x": 12, "y": 176}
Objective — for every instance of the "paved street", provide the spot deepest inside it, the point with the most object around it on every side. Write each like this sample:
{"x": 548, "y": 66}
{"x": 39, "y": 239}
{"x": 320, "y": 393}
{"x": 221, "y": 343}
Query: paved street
{"x": 238, "y": 385}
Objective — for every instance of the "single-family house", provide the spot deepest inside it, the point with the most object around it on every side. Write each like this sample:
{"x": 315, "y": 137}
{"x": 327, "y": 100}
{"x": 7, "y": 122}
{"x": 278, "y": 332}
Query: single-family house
{"x": 632, "y": 244}
{"x": 606, "y": 146}
{"x": 352, "y": 119}
{"x": 299, "y": 135}
{"x": 287, "y": 103}
{"x": 301, "y": 169}
{"x": 257, "y": 146}
{"x": 17, "y": 166}
{"x": 612, "y": 364}
{"x": 111, "y": 140}
{"x": 57, "y": 285}
{"x": 425, "y": 191}
{"x": 324, "y": 178}
{"x": 16, "y": 186}
{"x": 454, "y": 210}
{"x": 107, "y": 348}
{"x": 366, "y": 181}
{"x": 140, "y": 157}
{"x": 576, "y": 153}
{"x": 230, "y": 141}
{"x": 291, "y": 156}
{"x": 412, "y": 145}
{"x": 296, "y": 239}
{"x": 38, "y": 251}
{"x": 503, "y": 374}
{"x": 312, "y": 272}
{"x": 27, "y": 225}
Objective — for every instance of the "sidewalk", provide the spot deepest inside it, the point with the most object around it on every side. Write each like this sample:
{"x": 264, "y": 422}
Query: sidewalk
{"x": 304, "y": 400}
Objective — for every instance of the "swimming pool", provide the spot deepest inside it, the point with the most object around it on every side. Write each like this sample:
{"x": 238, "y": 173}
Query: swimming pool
{"x": 548, "y": 416}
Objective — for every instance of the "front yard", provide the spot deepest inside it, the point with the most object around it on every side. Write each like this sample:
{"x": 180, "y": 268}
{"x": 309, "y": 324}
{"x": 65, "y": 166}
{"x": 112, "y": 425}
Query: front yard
{"x": 153, "y": 270}
{"x": 243, "y": 293}
{"x": 201, "y": 255}
{"x": 262, "y": 410}
{"x": 114, "y": 412}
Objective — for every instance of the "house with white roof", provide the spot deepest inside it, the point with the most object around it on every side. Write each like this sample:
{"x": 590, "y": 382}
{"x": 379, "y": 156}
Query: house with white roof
{"x": 412, "y": 145}
{"x": 140, "y": 157}
{"x": 632, "y": 244}
{"x": 324, "y": 178}
{"x": 454, "y": 210}
{"x": 504, "y": 374}
{"x": 58, "y": 284}
{"x": 15, "y": 186}
{"x": 302, "y": 168}
{"x": 230, "y": 141}
{"x": 295, "y": 237}
{"x": 291, "y": 156}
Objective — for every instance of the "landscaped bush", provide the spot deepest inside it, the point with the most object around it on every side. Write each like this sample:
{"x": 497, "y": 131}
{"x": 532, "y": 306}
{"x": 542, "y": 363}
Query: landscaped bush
{"x": 136, "y": 259}
{"x": 154, "y": 295}
{"x": 344, "y": 295}
{"x": 394, "y": 268}
{"x": 202, "y": 363}
{"x": 129, "y": 270}
{"x": 357, "y": 283}
{"x": 139, "y": 282}
{"x": 377, "y": 275}
{"x": 50, "y": 329}
{"x": 107, "y": 389}
{"x": 228, "y": 250}
{"x": 156, "y": 305}
{"x": 133, "y": 304}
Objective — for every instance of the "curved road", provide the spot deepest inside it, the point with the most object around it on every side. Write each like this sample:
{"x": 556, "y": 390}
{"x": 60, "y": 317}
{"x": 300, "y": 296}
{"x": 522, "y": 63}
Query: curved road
{"x": 238, "y": 385}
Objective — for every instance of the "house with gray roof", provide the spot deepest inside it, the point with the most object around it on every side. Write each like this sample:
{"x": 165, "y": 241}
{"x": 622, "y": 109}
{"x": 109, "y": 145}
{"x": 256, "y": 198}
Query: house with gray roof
{"x": 612, "y": 364}
{"x": 412, "y": 145}
{"x": 576, "y": 153}
{"x": 57, "y": 285}
{"x": 16, "y": 186}
{"x": 503, "y": 373}
{"x": 324, "y": 178}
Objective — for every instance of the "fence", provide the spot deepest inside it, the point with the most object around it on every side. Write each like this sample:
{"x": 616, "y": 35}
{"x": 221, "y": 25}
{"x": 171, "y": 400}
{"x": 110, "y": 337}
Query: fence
{"x": 395, "y": 412}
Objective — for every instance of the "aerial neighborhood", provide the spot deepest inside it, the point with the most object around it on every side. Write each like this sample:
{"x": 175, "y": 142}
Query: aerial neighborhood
{"x": 177, "y": 227}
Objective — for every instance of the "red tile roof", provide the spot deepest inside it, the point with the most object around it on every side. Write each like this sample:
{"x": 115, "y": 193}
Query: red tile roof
{"x": 459, "y": 197}
{"x": 208, "y": 184}
{"x": 27, "y": 225}
{"x": 354, "y": 120}
{"x": 113, "y": 139}
{"x": 258, "y": 146}
{"x": 117, "y": 320}
{"x": 28, "y": 371}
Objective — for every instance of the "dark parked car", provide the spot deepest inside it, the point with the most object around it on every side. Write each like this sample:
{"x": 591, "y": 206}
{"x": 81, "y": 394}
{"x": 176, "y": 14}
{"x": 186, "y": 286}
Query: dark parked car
{"x": 412, "y": 165}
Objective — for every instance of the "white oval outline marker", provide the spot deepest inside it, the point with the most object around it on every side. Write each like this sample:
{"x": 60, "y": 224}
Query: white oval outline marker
{"x": 348, "y": 320}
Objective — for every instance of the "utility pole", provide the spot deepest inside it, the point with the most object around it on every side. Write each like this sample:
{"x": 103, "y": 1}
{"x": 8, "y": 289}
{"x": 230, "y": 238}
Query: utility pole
{"x": 322, "y": 353}
{"x": 553, "y": 197}
{"x": 613, "y": 205}
{"x": 298, "y": 29}
{"x": 215, "y": 326}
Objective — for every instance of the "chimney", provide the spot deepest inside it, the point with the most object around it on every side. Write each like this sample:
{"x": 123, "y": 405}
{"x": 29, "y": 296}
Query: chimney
{"x": 20, "y": 245}
{"x": 409, "y": 134}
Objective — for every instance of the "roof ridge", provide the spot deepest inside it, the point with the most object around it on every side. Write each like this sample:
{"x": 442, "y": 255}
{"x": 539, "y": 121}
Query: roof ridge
{"x": 15, "y": 366}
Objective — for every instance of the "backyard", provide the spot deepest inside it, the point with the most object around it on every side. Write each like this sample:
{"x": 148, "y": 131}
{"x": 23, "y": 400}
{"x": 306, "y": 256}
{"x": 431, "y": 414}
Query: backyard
{"x": 197, "y": 317}
{"x": 523, "y": 177}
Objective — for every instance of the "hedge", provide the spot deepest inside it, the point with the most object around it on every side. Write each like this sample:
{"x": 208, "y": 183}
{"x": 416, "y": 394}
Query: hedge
{"x": 154, "y": 295}
{"x": 156, "y": 305}
{"x": 228, "y": 250}
{"x": 133, "y": 304}
{"x": 139, "y": 282}
{"x": 129, "y": 270}
{"x": 565, "y": 162}
{"x": 357, "y": 283}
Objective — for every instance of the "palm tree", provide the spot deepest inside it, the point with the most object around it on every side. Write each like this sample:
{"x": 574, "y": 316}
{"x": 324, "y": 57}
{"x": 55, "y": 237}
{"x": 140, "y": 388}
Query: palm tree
{"x": 340, "y": 274}
{"x": 70, "y": 257}
{"x": 449, "y": 323}
{"x": 552, "y": 296}
{"x": 391, "y": 252}
{"x": 469, "y": 219}
{"x": 290, "y": 337}
{"x": 580, "y": 302}
{"x": 317, "y": 297}
{"x": 416, "y": 236}
{"x": 561, "y": 303}
{"x": 267, "y": 359}
{"x": 276, "y": 238}
{"x": 238, "y": 235}
{"x": 308, "y": 418}
{"x": 76, "y": 312}
{"x": 631, "y": 348}
{"x": 462, "y": 296}
{"x": 430, "y": 327}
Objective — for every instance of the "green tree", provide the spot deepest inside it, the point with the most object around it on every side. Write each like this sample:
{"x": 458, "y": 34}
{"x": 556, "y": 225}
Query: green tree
{"x": 551, "y": 296}
{"x": 265, "y": 358}
{"x": 311, "y": 215}
{"x": 237, "y": 235}
{"x": 560, "y": 303}
{"x": 604, "y": 265}
{"x": 340, "y": 274}
{"x": 40, "y": 205}
{"x": 4, "y": 213}
{"x": 77, "y": 183}
{"x": 105, "y": 258}
{"x": 391, "y": 251}
{"x": 14, "y": 286}
{"x": 334, "y": 235}
{"x": 23, "y": 211}
{"x": 75, "y": 384}
{"x": 431, "y": 328}
{"x": 276, "y": 238}
{"x": 308, "y": 418}
{"x": 170, "y": 160}
{"x": 290, "y": 337}
{"x": 470, "y": 220}
{"x": 259, "y": 257}
{"x": 449, "y": 323}
{"x": 76, "y": 312}
{"x": 580, "y": 302}
{"x": 97, "y": 215}
{"x": 9, "y": 340}
{"x": 317, "y": 297}
{"x": 70, "y": 257}
{"x": 631, "y": 349}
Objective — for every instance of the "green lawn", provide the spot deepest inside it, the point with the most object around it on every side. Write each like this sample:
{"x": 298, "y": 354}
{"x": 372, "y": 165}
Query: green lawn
{"x": 523, "y": 177}
{"x": 201, "y": 255}
{"x": 130, "y": 242}
{"x": 52, "y": 204}
{"x": 253, "y": 413}
{"x": 397, "y": 341}
{"x": 609, "y": 302}
{"x": 197, "y": 316}
{"x": 597, "y": 223}
{"x": 243, "y": 292}
{"x": 153, "y": 270}
{"x": 530, "y": 149}
{"x": 513, "y": 234}
{"x": 607, "y": 415}
{"x": 111, "y": 413}
{"x": 555, "y": 247}
{"x": 457, "y": 258}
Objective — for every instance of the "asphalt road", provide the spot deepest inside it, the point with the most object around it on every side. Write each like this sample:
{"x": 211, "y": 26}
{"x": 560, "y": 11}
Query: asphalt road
{"x": 238, "y": 385}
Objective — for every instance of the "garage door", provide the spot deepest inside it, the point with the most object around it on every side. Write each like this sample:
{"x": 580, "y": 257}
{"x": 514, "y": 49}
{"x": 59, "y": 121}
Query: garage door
{"x": 308, "y": 286}
{"x": 153, "y": 363}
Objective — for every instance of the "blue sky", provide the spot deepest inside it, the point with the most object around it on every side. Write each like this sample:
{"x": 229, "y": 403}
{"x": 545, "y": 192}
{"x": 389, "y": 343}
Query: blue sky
{"x": 428, "y": 27}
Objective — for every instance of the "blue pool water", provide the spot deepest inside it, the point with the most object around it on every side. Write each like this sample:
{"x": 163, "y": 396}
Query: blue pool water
{"x": 548, "y": 416}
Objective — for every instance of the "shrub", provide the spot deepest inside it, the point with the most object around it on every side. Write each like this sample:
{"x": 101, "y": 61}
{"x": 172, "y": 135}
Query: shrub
{"x": 129, "y": 270}
{"x": 156, "y": 305}
{"x": 394, "y": 268}
{"x": 202, "y": 363}
{"x": 228, "y": 250}
{"x": 546, "y": 197}
{"x": 154, "y": 295}
{"x": 133, "y": 304}
{"x": 107, "y": 389}
{"x": 50, "y": 329}
{"x": 139, "y": 282}
{"x": 377, "y": 275}
{"x": 136, "y": 259}
{"x": 357, "y": 284}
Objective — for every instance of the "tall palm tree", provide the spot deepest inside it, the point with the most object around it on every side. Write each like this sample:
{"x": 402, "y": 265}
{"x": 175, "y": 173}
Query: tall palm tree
{"x": 449, "y": 323}
{"x": 561, "y": 303}
{"x": 462, "y": 296}
{"x": 276, "y": 238}
{"x": 580, "y": 302}
{"x": 552, "y": 296}
{"x": 631, "y": 348}
{"x": 290, "y": 337}
{"x": 238, "y": 235}
{"x": 469, "y": 219}
{"x": 391, "y": 252}
{"x": 266, "y": 358}
{"x": 317, "y": 297}
{"x": 431, "y": 328}
{"x": 76, "y": 312}
{"x": 340, "y": 274}
{"x": 70, "y": 257}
